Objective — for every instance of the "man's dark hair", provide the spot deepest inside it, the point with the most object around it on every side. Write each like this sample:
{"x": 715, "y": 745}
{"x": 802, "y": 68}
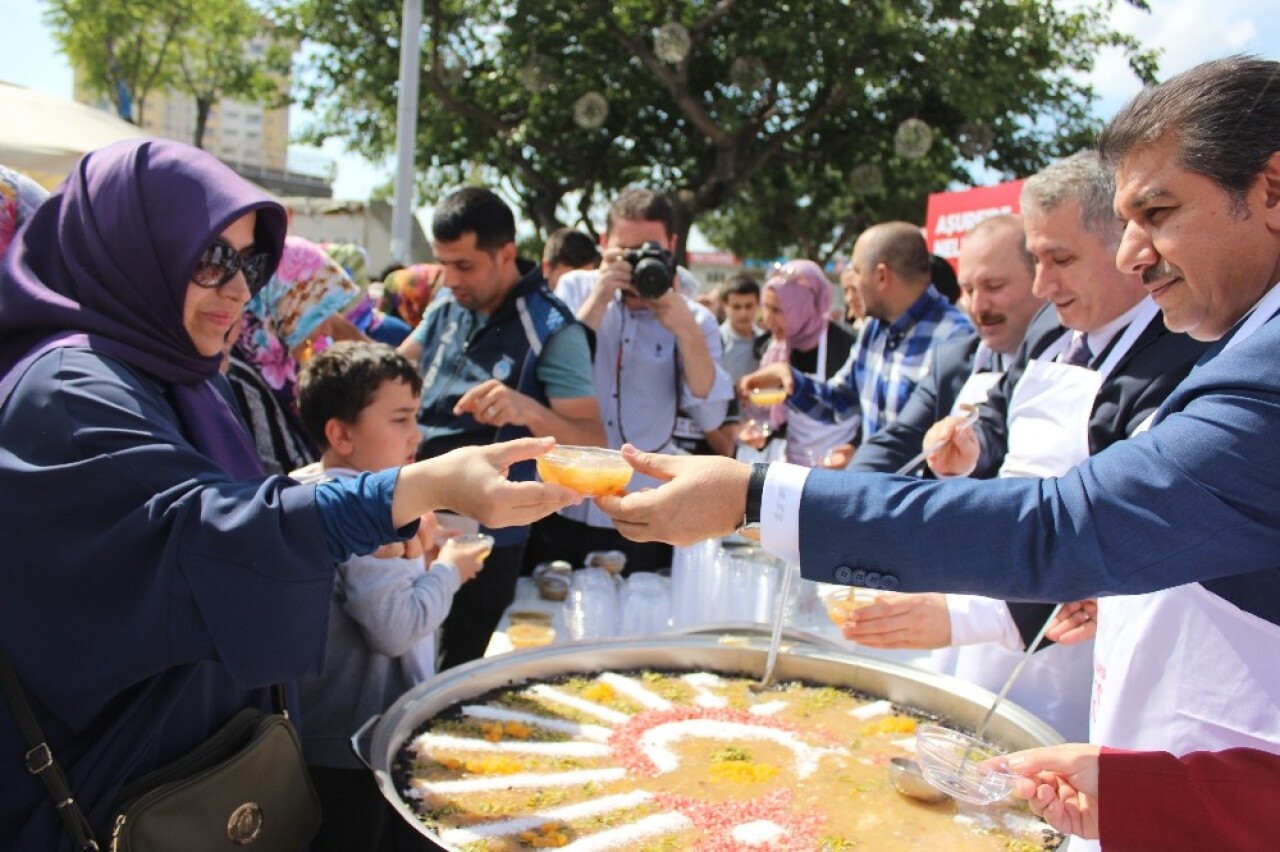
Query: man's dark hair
{"x": 642, "y": 205}
{"x": 567, "y": 247}
{"x": 1224, "y": 117}
{"x": 474, "y": 211}
{"x": 741, "y": 284}
{"x": 944, "y": 278}
{"x": 388, "y": 269}
{"x": 341, "y": 381}
{"x": 901, "y": 247}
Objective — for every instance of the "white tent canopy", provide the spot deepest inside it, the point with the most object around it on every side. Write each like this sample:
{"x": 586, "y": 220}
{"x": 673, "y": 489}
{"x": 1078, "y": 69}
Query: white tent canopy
{"x": 45, "y": 135}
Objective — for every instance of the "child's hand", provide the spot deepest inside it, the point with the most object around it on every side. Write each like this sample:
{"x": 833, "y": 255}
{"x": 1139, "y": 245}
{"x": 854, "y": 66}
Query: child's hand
{"x": 467, "y": 558}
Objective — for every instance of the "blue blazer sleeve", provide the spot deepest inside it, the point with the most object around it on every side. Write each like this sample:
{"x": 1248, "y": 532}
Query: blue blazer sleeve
{"x": 1194, "y": 499}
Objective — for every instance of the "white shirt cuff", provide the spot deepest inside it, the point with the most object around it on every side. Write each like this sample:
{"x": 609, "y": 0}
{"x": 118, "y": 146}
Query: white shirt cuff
{"x": 780, "y": 510}
{"x": 976, "y": 619}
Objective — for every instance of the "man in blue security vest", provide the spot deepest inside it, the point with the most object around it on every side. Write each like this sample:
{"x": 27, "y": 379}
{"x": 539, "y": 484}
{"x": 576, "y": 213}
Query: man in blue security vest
{"x": 501, "y": 358}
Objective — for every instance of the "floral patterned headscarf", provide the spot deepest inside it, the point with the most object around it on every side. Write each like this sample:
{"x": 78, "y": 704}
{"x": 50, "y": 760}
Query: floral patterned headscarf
{"x": 307, "y": 289}
{"x": 407, "y": 292}
{"x": 19, "y": 197}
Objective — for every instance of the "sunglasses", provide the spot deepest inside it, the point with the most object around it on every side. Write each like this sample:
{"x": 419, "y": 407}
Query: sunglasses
{"x": 220, "y": 263}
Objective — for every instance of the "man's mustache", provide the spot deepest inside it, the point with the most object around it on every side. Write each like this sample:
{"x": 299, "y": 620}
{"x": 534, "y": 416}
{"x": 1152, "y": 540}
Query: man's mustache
{"x": 989, "y": 319}
{"x": 1162, "y": 271}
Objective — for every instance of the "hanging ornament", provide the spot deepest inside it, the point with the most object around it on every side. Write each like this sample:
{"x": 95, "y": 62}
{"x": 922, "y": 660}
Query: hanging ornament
{"x": 748, "y": 73}
{"x": 866, "y": 179}
{"x": 538, "y": 74}
{"x": 590, "y": 111}
{"x": 975, "y": 139}
{"x": 913, "y": 139}
{"x": 671, "y": 43}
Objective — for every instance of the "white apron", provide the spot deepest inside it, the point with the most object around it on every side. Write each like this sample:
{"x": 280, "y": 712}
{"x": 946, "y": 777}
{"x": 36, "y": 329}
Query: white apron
{"x": 976, "y": 388}
{"x": 1048, "y": 419}
{"x": 1182, "y": 669}
{"x": 805, "y": 434}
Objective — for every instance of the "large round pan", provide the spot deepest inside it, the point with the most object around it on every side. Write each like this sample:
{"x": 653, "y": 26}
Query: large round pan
{"x": 955, "y": 700}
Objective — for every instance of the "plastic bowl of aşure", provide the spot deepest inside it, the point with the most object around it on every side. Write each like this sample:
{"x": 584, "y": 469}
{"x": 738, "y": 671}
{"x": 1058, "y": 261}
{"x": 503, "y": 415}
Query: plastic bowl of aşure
{"x": 954, "y": 763}
{"x": 591, "y": 471}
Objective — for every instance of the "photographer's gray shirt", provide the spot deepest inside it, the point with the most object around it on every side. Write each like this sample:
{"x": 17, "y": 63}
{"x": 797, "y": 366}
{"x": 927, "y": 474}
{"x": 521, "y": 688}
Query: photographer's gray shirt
{"x": 637, "y": 384}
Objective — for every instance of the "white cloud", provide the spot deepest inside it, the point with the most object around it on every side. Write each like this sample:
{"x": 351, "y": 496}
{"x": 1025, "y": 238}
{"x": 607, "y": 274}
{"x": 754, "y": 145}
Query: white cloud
{"x": 1186, "y": 32}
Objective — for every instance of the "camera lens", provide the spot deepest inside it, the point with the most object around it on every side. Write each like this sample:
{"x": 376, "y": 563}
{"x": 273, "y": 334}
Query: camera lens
{"x": 651, "y": 277}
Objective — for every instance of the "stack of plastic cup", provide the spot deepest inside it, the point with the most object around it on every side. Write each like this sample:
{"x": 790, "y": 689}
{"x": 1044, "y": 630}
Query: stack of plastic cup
{"x": 592, "y": 609}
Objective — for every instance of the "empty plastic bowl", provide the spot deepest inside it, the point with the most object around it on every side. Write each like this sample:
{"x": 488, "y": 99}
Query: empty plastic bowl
{"x": 591, "y": 471}
{"x": 952, "y": 762}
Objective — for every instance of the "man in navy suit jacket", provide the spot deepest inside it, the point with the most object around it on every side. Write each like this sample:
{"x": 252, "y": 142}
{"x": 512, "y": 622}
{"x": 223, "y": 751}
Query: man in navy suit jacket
{"x": 1194, "y": 499}
{"x": 1192, "y": 504}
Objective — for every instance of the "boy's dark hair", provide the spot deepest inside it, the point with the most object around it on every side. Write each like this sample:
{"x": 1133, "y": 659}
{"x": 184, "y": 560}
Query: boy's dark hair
{"x": 642, "y": 205}
{"x": 567, "y": 247}
{"x": 741, "y": 284}
{"x": 474, "y": 211}
{"x": 341, "y": 381}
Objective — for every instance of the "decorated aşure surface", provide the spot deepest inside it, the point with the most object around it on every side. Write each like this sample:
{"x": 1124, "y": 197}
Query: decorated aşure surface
{"x": 652, "y": 761}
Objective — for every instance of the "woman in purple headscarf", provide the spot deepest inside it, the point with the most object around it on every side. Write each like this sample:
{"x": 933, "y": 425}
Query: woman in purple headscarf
{"x": 154, "y": 582}
{"x": 796, "y": 300}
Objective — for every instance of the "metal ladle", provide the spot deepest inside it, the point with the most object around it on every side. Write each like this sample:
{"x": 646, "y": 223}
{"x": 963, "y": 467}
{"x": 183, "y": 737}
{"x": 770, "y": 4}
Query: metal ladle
{"x": 775, "y": 641}
{"x": 907, "y": 779}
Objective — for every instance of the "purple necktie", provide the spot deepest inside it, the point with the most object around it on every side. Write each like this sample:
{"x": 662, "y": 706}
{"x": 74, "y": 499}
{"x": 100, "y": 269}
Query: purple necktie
{"x": 1078, "y": 354}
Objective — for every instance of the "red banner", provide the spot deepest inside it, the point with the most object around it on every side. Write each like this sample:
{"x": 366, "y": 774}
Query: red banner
{"x": 951, "y": 215}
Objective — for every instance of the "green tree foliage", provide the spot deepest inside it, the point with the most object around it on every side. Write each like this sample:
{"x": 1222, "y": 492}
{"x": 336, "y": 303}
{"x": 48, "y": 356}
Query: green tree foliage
{"x": 124, "y": 48}
{"x": 758, "y": 117}
{"x": 129, "y": 49}
{"x": 218, "y": 58}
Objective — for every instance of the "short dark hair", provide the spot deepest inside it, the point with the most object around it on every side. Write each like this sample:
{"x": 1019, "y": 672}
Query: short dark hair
{"x": 388, "y": 269}
{"x": 943, "y": 278}
{"x": 642, "y": 205}
{"x": 901, "y": 247}
{"x": 1224, "y": 116}
{"x": 567, "y": 247}
{"x": 741, "y": 284}
{"x": 478, "y": 211}
{"x": 340, "y": 382}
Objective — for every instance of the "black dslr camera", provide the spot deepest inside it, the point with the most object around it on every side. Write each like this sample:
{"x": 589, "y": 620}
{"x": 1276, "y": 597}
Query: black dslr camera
{"x": 652, "y": 268}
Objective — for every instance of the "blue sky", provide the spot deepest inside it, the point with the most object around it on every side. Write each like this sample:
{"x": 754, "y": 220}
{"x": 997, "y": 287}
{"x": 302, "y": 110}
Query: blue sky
{"x": 1188, "y": 31}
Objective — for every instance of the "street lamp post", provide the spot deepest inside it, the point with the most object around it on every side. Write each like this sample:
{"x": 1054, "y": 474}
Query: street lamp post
{"x": 406, "y": 130}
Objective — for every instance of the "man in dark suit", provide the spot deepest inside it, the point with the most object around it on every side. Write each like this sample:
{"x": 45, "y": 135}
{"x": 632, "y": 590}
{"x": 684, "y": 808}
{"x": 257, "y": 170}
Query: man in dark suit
{"x": 996, "y": 274}
{"x": 1180, "y": 521}
{"x": 1040, "y": 420}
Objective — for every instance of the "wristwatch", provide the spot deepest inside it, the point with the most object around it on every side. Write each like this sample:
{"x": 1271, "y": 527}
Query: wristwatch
{"x": 750, "y": 527}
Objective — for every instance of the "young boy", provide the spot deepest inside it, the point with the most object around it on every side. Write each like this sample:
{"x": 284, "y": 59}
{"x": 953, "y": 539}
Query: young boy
{"x": 359, "y": 404}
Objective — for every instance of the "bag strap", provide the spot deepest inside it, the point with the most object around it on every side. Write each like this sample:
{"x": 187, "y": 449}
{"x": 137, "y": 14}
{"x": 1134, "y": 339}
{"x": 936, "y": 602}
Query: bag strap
{"x": 40, "y": 761}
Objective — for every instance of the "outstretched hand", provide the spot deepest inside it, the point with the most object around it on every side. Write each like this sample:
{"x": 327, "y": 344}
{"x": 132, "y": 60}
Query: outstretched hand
{"x": 701, "y": 497}
{"x": 1060, "y": 784}
{"x": 472, "y": 481}
{"x": 901, "y": 621}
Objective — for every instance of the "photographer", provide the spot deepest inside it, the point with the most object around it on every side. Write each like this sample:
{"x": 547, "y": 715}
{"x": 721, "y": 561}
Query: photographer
{"x": 657, "y": 352}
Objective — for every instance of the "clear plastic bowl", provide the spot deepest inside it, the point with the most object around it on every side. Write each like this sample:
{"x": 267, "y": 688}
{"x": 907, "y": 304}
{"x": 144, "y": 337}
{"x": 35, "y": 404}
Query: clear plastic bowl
{"x": 591, "y": 471}
{"x": 952, "y": 762}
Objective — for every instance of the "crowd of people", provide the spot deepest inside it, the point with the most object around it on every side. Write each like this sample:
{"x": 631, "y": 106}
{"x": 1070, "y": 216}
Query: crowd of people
{"x": 232, "y": 444}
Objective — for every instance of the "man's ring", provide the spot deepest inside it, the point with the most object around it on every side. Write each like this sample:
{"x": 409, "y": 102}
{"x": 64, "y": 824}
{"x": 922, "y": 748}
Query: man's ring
{"x": 491, "y": 410}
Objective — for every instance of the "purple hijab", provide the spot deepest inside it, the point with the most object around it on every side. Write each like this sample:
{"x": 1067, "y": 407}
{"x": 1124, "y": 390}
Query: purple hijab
{"x": 105, "y": 262}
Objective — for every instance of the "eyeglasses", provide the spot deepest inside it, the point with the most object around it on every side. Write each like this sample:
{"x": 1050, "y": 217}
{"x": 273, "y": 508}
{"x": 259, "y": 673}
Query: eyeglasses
{"x": 220, "y": 263}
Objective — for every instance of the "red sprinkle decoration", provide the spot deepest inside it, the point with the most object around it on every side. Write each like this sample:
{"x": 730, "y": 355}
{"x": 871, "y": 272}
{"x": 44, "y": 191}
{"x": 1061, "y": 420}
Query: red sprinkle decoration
{"x": 717, "y": 820}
